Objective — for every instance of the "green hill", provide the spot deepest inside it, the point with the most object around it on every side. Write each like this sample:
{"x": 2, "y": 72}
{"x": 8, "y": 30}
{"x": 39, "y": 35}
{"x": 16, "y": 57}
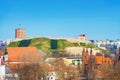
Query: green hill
{"x": 49, "y": 45}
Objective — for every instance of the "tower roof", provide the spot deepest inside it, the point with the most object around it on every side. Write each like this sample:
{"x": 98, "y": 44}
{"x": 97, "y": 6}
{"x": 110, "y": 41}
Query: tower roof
{"x": 86, "y": 52}
{"x": 91, "y": 51}
{"x": 83, "y": 52}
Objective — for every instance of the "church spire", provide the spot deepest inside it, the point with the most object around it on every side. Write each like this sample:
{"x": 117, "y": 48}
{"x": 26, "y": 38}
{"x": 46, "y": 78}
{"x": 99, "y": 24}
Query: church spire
{"x": 86, "y": 52}
{"x": 119, "y": 54}
{"x": 83, "y": 52}
{"x": 119, "y": 50}
{"x": 91, "y": 51}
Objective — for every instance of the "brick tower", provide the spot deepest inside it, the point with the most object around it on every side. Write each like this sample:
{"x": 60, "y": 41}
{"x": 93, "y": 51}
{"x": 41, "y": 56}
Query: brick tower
{"x": 19, "y": 33}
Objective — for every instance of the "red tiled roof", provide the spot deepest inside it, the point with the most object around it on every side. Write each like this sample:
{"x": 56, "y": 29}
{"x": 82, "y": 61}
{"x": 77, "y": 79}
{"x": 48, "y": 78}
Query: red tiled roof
{"x": 18, "y": 54}
{"x": 21, "y": 55}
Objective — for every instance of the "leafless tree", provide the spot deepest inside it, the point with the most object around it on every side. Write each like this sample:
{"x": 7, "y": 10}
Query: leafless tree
{"x": 32, "y": 67}
{"x": 110, "y": 72}
{"x": 65, "y": 72}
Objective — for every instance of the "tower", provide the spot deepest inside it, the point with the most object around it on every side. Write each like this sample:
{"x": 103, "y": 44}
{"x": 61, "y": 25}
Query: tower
{"x": 86, "y": 62}
{"x": 119, "y": 54}
{"x": 91, "y": 61}
{"x": 19, "y": 33}
{"x": 83, "y": 60}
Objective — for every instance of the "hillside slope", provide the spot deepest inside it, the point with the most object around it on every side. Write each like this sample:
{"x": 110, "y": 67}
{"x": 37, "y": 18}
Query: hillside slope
{"x": 49, "y": 45}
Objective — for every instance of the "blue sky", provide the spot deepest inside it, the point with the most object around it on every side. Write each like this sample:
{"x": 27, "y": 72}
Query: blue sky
{"x": 99, "y": 19}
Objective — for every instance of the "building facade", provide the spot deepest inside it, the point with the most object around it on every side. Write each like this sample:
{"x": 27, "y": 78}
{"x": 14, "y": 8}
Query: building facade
{"x": 91, "y": 64}
{"x": 82, "y": 37}
{"x": 2, "y": 66}
{"x": 19, "y": 33}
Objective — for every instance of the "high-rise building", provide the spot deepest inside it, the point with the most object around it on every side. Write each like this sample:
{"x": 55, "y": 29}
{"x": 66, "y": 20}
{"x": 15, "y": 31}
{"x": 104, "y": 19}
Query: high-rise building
{"x": 19, "y": 33}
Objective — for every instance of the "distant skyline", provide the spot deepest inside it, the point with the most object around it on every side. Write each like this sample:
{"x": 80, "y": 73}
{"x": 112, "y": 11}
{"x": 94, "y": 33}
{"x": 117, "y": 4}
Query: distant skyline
{"x": 99, "y": 19}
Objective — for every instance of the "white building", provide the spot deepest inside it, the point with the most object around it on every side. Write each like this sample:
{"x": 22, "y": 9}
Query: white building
{"x": 3, "y": 44}
{"x": 2, "y": 72}
{"x": 112, "y": 45}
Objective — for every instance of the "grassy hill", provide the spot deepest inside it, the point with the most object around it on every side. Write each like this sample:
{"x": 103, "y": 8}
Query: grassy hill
{"x": 49, "y": 45}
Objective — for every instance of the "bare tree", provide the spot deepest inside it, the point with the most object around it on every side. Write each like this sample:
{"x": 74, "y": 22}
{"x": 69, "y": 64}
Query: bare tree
{"x": 32, "y": 67}
{"x": 110, "y": 72}
{"x": 65, "y": 72}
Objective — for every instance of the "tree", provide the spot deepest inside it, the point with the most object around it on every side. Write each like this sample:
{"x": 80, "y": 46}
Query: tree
{"x": 32, "y": 67}
{"x": 65, "y": 72}
{"x": 110, "y": 72}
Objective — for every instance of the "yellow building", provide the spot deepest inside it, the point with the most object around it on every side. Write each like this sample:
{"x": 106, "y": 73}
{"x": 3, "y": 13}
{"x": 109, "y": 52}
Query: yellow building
{"x": 72, "y": 61}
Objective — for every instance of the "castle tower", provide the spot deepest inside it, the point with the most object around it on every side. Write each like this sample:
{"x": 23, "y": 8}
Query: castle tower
{"x": 82, "y": 37}
{"x": 19, "y": 33}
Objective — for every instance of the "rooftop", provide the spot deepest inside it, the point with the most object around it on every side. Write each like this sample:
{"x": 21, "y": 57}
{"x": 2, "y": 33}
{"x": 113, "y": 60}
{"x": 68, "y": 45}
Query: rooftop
{"x": 17, "y": 54}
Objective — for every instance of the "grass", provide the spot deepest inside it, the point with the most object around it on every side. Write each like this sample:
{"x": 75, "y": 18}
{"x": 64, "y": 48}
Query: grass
{"x": 49, "y": 45}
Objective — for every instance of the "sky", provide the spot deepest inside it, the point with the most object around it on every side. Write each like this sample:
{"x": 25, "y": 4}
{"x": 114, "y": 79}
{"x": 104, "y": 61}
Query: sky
{"x": 99, "y": 19}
